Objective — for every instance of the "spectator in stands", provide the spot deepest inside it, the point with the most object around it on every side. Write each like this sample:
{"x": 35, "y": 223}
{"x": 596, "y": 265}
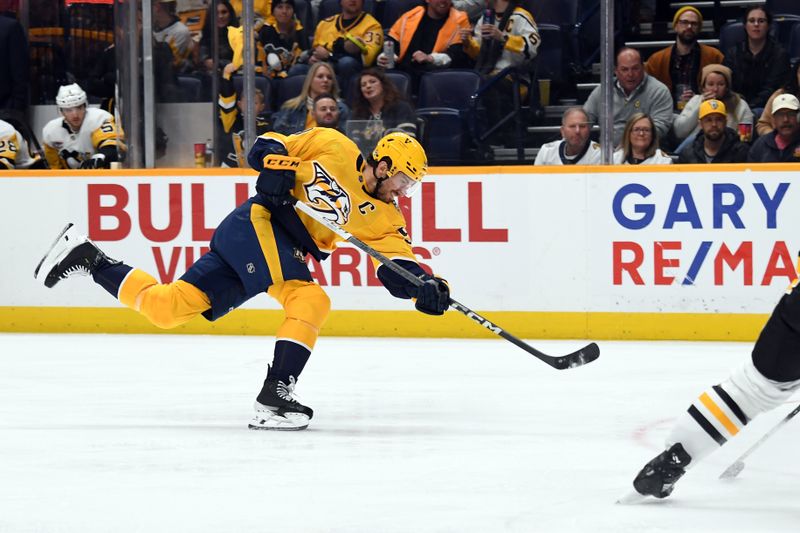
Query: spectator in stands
{"x": 715, "y": 84}
{"x": 640, "y": 143}
{"x": 102, "y": 80}
{"x": 510, "y": 41}
{"x": 679, "y": 66}
{"x": 284, "y": 39}
{"x": 783, "y": 143}
{"x": 261, "y": 11}
{"x": 473, "y": 8}
{"x": 760, "y": 65}
{"x": 427, "y": 38}
{"x": 14, "y": 151}
{"x": 350, "y": 41}
{"x": 326, "y": 111}
{"x": 82, "y": 137}
{"x": 168, "y": 28}
{"x": 635, "y": 91}
{"x": 231, "y": 116}
{"x": 226, "y": 16}
{"x": 378, "y": 99}
{"x": 295, "y": 114}
{"x": 792, "y": 86}
{"x": 716, "y": 143}
{"x": 575, "y": 147}
{"x": 14, "y": 65}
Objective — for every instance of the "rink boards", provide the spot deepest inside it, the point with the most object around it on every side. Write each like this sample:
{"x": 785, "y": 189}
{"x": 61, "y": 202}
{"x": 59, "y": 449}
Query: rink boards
{"x": 689, "y": 252}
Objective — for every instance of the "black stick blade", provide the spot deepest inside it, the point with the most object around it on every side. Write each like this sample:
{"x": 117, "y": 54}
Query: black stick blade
{"x": 585, "y": 355}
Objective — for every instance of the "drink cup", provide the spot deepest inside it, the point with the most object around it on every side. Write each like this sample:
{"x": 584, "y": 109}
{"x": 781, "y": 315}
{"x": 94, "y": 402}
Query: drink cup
{"x": 388, "y": 51}
{"x": 680, "y": 100}
{"x": 544, "y": 92}
{"x": 745, "y": 132}
{"x": 200, "y": 155}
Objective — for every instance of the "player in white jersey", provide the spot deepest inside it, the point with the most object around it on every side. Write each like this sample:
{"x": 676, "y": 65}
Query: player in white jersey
{"x": 767, "y": 380}
{"x": 83, "y": 137}
{"x": 575, "y": 147}
{"x": 14, "y": 152}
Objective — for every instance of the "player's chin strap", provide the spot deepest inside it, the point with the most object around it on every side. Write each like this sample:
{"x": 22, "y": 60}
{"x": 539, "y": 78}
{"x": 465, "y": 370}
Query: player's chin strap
{"x": 587, "y": 354}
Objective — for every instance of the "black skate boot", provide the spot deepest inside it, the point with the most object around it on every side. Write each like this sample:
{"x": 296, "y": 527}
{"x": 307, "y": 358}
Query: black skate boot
{"x": 658, "y": 477}
{"x": 70, "y": 255}
{"x": 276, "y": 408}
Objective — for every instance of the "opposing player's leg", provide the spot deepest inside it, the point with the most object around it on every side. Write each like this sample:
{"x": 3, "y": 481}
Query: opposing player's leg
{"x": 721, "y": 412}
{"x": 306, "y": 306}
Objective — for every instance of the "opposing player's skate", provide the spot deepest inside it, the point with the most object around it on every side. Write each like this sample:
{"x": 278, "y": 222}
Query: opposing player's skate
{"x": 658, "y": 477}
{"x": 276, "y": 408}
{"x": 70, "y": 255}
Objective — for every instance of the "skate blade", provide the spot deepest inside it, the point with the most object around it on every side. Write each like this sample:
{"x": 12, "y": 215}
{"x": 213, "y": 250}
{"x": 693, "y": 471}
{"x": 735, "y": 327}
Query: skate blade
{"x": 275, "y": 422}
{"x": 632, "y": 498}
{"x": 52, "y": 253}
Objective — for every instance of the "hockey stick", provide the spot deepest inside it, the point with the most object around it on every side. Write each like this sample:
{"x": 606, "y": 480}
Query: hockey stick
{"x": 738, "y": 465}
{"x": 585, "y": 355}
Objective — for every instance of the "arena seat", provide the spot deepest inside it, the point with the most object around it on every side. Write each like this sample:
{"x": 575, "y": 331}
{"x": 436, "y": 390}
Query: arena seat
{"x": 287, "y": 88}
{"x": 190, "y": 87}
{"x": 731, "y": 34}
{"x": 444, "y": 100}
{"x": 394, "y": 8}
{"x": 262, "y": 83}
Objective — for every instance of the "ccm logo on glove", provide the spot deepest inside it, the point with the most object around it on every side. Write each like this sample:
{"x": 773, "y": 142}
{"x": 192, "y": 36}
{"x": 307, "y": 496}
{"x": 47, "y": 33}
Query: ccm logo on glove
{"x": 281, "y": 162}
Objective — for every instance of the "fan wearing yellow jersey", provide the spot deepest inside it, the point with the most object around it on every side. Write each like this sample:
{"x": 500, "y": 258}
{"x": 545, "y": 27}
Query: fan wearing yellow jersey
{"x": 350, "y": 41}
{"x": 262, "y": 246}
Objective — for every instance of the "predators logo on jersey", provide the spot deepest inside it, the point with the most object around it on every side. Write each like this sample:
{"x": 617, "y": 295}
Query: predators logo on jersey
{"x": 327, "y": 196}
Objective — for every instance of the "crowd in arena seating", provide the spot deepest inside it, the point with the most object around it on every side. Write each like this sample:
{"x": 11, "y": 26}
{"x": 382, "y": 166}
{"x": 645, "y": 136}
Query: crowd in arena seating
{"x": 357, "y": 65}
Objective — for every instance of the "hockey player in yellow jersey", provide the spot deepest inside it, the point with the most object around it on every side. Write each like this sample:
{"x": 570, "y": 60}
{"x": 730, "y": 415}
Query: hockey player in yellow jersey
{"x": 83, "y": 137}
{"x": 261, "y": 247}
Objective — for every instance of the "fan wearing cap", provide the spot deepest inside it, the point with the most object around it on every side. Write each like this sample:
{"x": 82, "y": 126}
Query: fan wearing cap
{"x": 715, "y": 143}
{"x": 783, "y": 143}
{"x": 679, "y": 66}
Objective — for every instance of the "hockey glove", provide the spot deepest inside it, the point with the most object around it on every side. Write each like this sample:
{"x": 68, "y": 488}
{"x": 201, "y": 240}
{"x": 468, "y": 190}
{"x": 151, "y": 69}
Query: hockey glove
{"x": 96, "y": 161}
{"x": 433, "y": 297}
{"x": 277, "y": 178}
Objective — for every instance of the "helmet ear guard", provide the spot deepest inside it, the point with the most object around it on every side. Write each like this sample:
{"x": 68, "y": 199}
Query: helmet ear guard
{"x": 70, "y": 96}
{"x": 402, "y": 153}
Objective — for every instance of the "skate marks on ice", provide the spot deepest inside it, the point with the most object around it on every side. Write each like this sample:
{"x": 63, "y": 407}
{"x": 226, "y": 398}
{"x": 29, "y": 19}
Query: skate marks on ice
{"x": 430, "y": 435}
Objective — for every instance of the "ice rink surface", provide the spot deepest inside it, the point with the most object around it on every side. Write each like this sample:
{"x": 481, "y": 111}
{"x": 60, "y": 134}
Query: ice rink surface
{"x": 149, "y": 434}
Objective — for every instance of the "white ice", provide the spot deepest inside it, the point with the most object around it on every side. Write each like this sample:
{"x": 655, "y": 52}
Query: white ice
{"x": 124, "y": 434}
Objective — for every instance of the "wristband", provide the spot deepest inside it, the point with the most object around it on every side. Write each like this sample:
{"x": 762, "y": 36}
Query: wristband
{"x": 361, "y": 46}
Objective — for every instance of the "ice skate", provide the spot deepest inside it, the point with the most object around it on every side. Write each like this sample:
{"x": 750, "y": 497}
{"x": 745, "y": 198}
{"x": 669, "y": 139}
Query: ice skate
{"x": 658, "y": 477}
{"x": 277, "y": 409}
{"x": 70, "y": 255}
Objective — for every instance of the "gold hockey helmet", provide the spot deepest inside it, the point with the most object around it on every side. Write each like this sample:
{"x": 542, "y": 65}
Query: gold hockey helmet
{"x": 402, "y": 153}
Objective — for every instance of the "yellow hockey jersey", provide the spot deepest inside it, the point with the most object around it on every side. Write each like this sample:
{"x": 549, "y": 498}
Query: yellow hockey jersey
{"x": 365, "y": 26}
{"x": 330, "y": 180}
{"x": 64, "y": 148}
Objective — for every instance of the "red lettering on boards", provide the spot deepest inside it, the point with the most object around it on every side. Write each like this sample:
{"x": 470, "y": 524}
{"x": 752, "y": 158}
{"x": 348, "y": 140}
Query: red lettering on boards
{"x": 97, "y": 211}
